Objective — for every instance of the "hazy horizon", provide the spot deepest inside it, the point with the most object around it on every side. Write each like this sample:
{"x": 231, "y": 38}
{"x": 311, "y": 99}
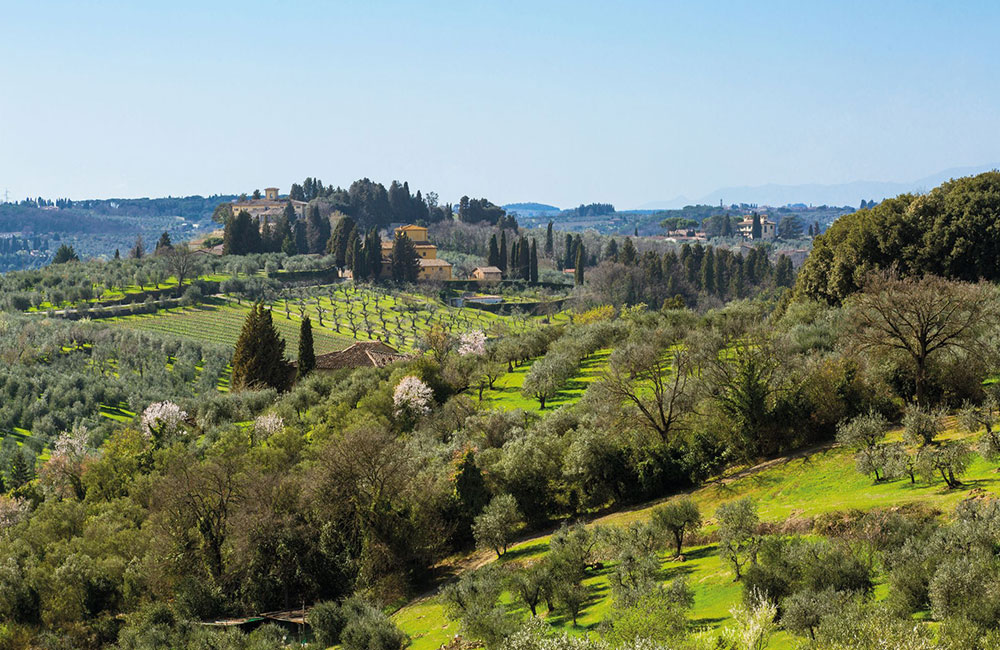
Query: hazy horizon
{"x": 560, "y": 103}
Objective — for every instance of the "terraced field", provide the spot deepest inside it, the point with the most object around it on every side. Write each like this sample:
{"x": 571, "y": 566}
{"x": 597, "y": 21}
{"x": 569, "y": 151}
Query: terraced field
{"x": 506, "y": 393}
{"x": 222, "y": 322}
{"x": 340, "y": 314}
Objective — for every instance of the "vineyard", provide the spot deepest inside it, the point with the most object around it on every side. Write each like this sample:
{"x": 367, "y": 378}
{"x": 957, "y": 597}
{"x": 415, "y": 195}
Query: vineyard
{"x": 339, "y": 314}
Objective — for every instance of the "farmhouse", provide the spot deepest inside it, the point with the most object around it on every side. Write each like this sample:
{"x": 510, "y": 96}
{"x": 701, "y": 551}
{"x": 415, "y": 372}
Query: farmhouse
{"x": 487, "y": 274}
{"x": 431, "y": 268}
{"x": 269, "y": 207}
{"x": 768, "y": 229}
{"x": 363, "y": 354}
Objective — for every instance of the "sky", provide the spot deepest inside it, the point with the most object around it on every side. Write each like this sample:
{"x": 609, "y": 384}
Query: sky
{"x": 558, "y": 102}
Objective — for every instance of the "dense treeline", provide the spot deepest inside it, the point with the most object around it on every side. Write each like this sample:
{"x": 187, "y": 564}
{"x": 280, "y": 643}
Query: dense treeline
{"x": 951, "y": 232}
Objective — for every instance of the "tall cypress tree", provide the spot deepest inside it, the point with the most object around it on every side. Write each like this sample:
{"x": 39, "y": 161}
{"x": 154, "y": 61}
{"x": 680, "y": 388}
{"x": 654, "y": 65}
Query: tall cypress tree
{"x": 359, "y": 270}
{"x": 493, "y": 258}
{"x": 578, "y": 269}
{"x": 307, "y": 355}
{"x": 259, "y": 357}
{"x": 405, "y": 260}
{"x": 755, "y": 227}
{"x": 548, "y": 240}
{"x": 373, "y": 255}
{"x": 339, "y": 243}
{"x": 523, "y": 259}
{"x": 570, "y": 254}
{"x": 533, "y": 271}
{"x": 708, "y": 272}
{"x": 503, "y": 251}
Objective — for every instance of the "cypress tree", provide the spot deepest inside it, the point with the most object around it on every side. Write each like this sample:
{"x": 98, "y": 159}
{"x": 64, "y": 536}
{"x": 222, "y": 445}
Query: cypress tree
{"x": 307, "y": 356}
{"x": 548, "y": 240}
{"x": 628, "y": 255}
{"x": 493, "y": 258}
{"x": 503, "y": 252}
{"x": 339, "y": 242}
{"x": 163, "y": 244}
{"x": 523, "y": 259}
{"x": 578, "y": 269}
{"x": 405, "y": 260}
{"x": 373, "y": 255}
{"x": 318, "y": 231}
{"x": 118, "y": 255}
{"x": 708, "y": 272}
{"x": 259, "y": 357}
{"x": 570, "y": 254}
{"x": 358, "y": 270}
{"x": 533, "y": 272}
{"x": 755, "y": 228}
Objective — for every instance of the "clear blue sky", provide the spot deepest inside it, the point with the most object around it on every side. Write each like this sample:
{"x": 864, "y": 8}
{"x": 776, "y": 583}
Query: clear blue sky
{"x": 560, "y": 102}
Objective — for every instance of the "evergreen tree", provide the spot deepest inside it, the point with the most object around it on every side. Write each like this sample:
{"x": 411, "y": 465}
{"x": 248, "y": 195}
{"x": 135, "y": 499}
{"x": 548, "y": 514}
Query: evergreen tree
{"x": 578, "y": 268}
{"x": 307, "y": 356}
{"x": 296, "y": 193}
{"x": 523, "y": 259}
{"x": 513, "y": 270}
{"x": 405, "y": 260}
{"x": 118, "y": 255}
{"x": 288, "y": 245}
{"x": 138, "y": 250}
{"x": 299, "y": 233}
{"x": 611, "y": 251}
{"x": 784, "y": 275}
{"x": 359, "y": 268}
{"x": 163, "y": 244}
{"x": 503, "y": 252}
{"x": 548, "y": 241}
{"x": 570, "y": 254}
{"x": 318, "y": 231}
{"x": 493, "y": 258}
{"x": 755, "y": 229}
{"x": 65, "y": 254}
{"x": 259, "y": 358}
{"x": 708, "y": 272}
{"x": 628, "y": 255}
{"x": 533, "y": 271}
{"x": 289, "y": 213}
{"x": 20, "y": 470}
{"x": 340, "y": 243}
{"x": 373, "y": 255}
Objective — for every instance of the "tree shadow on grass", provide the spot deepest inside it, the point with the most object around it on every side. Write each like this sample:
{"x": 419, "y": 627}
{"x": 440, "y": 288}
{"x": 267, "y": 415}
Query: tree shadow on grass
{"x": 526, "y": 551}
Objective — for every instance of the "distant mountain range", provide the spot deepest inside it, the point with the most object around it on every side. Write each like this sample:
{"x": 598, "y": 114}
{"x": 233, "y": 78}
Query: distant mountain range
{"x": 815, "y": 194}
{"x": 530, "y": 208}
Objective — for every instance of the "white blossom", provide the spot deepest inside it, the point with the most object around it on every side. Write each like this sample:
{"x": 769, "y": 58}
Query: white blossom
{"x": 412, "y": 395}
{"x": 267, "y": 425}
{"x": 472, "y": 342}
{"x": 13, "y": 510}
{"x": 161, "y": 419}
{"x": 72, "y": 444}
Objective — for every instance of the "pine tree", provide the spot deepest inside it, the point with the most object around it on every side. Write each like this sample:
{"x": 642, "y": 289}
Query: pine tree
{"x": 163, "y": 244}
{"x": 784, "y": 274}
{"x": 405, "y": 260}
{"x": 138, "y": 250}
{"x": 493, "y": 258}
{"x": 548, "y": 241}
{"x": 64, "y": 254}
{"x": 20, "y": 471}
{"x": 259, "y": 358}
{"x": 533, "y": 271}
{"x": 307, "y": 356}
{"x": 578, "y": 268}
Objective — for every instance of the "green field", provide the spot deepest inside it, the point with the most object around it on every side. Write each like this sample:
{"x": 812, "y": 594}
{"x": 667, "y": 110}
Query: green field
{"x": 802, "y": 486}
{"x": 506, "y": 392}
{"x": 222, "y": 322}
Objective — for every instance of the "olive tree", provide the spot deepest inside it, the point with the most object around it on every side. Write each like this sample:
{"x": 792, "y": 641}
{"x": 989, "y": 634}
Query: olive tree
{"x": 497, "y": 526}
{"x": 678, "y": 517}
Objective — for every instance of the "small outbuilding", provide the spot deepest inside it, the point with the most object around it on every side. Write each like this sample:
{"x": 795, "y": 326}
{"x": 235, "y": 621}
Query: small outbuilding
{"x": 487, "y": 274}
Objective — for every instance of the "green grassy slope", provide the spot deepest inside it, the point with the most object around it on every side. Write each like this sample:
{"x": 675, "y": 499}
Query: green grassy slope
{"x": 807, "y": 485}
{"x": 506, "y": 393}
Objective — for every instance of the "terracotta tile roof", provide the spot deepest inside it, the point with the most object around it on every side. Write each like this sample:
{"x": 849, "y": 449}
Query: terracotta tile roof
{"x": 360, "y": 355}
{"x": 433, "y": 262}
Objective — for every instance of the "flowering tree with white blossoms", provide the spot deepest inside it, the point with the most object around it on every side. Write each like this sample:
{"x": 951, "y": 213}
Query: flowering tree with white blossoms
{"x": 161, "y": 419}
{"x": 472, "y": 342}
{"x": 13, "y": 510}
{"x": 267, "y": 425}
{"x": 413, "y": 396}
{"x": 62, "y": 473}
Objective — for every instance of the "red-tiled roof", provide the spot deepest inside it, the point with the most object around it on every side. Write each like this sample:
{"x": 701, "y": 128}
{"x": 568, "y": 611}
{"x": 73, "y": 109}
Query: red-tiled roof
{"x": 360, "y": 355}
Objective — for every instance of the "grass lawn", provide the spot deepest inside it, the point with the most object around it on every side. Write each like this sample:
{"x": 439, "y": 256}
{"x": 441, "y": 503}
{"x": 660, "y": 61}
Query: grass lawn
{"x": 506, "y": 393}
{"x": 815, "y": 484}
